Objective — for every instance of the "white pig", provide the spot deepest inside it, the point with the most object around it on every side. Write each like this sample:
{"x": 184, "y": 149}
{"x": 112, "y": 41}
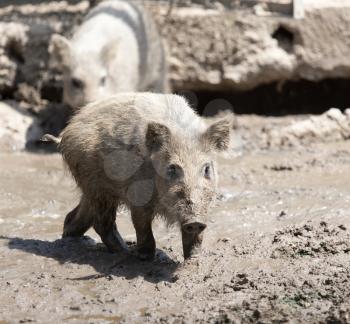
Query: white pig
{"x": 116, "y": 49}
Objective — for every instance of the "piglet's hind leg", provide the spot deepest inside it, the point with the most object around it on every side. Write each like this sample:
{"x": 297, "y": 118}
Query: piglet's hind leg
{"x": 105, "y": 226}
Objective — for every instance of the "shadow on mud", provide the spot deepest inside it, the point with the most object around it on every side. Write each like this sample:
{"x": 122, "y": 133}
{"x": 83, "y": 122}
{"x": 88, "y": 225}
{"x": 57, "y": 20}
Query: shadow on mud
{"x": 84, "y": 251}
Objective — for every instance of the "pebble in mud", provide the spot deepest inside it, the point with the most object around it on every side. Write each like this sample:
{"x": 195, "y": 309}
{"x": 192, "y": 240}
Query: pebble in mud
{"x": 237, "y": 283}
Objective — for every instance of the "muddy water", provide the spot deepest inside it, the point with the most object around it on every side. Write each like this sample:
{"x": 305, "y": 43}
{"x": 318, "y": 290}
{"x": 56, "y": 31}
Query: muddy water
{"x": 275, "y": 206}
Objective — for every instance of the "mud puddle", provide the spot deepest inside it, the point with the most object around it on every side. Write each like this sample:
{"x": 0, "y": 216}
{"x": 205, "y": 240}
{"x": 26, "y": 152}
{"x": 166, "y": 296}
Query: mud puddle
{"x": 277, "y": 248}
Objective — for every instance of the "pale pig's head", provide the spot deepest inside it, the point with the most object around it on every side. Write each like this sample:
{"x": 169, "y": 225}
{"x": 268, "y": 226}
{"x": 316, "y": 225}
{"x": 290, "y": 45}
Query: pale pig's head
{"x": 86, "y": 76}
{"x": 186, "y": 175}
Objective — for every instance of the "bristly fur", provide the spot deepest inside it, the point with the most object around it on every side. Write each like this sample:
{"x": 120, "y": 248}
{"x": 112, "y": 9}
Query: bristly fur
{"x": 152, "y": 153}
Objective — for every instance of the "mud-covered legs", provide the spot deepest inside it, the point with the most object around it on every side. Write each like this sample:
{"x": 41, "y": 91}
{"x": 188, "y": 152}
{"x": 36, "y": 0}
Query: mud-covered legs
{"x": 105, "y": 226}
{"x": 102, "y": 217}
{"x": 78, "y": 221}
{"x": 146, "y": 245}
{"x": 99, "y": 215}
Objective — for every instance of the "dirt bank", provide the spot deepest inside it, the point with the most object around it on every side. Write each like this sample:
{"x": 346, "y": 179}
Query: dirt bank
{"x": 209, "y": 49}
{"x": 238, "y": 50}
{"x": 277, "y": 248}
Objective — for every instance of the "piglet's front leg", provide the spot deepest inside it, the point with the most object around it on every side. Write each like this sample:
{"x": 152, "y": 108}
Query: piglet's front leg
{"x": 146, "y": 245}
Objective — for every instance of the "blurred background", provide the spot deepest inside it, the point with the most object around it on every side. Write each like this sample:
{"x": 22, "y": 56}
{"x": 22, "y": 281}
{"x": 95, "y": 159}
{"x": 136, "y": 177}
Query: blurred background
{"x": 267, "y": 57}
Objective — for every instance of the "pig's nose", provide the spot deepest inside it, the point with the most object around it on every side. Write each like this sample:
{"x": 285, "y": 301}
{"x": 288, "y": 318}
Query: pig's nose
{"x": 194, "y": 227}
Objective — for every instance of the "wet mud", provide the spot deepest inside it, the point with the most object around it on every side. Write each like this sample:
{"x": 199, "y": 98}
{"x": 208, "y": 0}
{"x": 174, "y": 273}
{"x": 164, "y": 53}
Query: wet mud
{"x": 276, "y": 249}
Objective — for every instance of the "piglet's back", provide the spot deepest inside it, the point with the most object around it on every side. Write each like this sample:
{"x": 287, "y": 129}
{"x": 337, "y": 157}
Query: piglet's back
{"x": 122, "y": 120}
{"x": 107, "y": 131}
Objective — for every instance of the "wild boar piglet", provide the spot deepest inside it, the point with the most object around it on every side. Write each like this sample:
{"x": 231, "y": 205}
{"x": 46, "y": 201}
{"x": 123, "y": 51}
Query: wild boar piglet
{"x": 151, "y": 152}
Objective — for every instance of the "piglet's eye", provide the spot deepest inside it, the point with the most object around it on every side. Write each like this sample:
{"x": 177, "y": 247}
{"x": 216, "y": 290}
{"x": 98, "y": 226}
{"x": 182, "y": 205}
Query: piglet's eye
{"x": 77, "y": 83}
{"x": 103, "y": 81}
{"x": 207, "y": 171}
{"x": 173, "y": 171}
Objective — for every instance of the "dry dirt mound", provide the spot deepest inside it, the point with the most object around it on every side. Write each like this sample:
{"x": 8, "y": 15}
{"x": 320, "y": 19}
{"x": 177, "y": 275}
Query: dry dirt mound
{"x": 319, "y": 240}
{"x": 12, "y": 43}
{"x": 333, "y": 125}
{"x": 256, "y": 50}
{"x": 323, "y": 240}
{"x": 17, "y": 127}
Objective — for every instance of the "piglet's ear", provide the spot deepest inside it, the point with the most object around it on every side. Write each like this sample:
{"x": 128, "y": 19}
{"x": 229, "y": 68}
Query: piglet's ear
{"x": 60, "y": 50}
{"x": 157, "y": 136}
{"x": 217, "y": 136}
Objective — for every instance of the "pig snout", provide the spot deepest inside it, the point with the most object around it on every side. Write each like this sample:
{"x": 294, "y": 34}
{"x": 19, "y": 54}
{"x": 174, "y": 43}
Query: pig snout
{"x": 192, "y": 237}
{"x": 194, "y": 227}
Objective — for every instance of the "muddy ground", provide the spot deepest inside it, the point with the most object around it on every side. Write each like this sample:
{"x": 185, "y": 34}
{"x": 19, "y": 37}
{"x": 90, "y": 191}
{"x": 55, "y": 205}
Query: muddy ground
{"x": 277, "y": 246}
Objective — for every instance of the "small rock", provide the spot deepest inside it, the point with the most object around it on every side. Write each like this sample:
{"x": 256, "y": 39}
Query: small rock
{"x": 17, "y": 128}
{"x": 282, "y": 214}
{"x": 256, "y": 314}
{"x": 75, "y": 308}
{"x": 224, "y": 240}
